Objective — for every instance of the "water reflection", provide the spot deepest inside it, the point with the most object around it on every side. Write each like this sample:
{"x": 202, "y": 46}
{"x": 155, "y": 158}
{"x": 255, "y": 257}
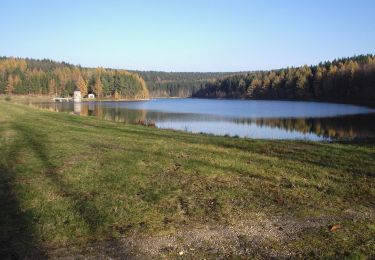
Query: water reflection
{"x": 318, "y": 128}
{"x": 77, "y": 108}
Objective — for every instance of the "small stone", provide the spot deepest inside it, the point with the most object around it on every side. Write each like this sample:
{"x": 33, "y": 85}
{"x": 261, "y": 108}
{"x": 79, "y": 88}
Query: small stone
{"x": 181, "y": 253}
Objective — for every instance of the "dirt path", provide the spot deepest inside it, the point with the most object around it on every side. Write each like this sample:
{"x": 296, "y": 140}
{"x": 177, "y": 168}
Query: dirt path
{"x": 258, "y": 237}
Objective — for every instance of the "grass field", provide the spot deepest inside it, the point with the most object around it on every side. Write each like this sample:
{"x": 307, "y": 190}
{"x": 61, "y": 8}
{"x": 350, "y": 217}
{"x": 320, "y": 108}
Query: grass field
{"x": 79, "y": 186}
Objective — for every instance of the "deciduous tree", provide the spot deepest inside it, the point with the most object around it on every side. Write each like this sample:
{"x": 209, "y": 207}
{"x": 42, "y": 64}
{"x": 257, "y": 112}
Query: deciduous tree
{"x": 10, "y": 85}
{"x": 98, "y": 87}
{"x": 82, "y": 85}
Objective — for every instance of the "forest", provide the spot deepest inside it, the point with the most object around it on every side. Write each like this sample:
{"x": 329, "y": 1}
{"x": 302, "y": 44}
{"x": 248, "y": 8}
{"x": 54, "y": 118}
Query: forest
{"x": 179, "y": 84}
{"x": 347, "y": 80}
{"x": 46, "y": 77}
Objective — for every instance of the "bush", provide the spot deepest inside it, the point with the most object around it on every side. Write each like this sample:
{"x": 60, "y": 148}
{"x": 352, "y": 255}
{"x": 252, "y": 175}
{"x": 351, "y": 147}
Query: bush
{"x": 146, "y": 123}
{"x": 8, "y": 98}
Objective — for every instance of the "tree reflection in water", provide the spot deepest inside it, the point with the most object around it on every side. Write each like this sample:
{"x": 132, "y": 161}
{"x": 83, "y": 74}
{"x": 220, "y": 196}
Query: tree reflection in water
{"x": 341, "y": 127}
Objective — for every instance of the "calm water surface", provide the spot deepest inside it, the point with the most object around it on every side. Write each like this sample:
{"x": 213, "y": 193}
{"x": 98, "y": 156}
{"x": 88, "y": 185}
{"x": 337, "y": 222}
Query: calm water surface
{"x": 243, "y": 118}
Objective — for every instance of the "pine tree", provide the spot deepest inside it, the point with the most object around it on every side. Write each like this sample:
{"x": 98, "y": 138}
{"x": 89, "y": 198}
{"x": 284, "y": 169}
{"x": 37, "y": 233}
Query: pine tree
{"x": 317, "y": 85}
{"x": 254, "y": 86}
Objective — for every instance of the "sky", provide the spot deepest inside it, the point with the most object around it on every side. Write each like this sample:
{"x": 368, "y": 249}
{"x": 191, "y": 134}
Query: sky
{"x": 187, "y": 35}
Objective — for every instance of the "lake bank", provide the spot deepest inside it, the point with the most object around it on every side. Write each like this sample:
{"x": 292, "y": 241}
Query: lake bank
{"x": 49, "y": 98}
{"x": 46, "y": 98}
{"x": 79, "y": 185}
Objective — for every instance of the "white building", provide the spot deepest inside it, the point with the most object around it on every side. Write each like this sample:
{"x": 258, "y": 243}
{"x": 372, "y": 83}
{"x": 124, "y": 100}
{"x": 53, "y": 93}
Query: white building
{"x": 77, "y": 97}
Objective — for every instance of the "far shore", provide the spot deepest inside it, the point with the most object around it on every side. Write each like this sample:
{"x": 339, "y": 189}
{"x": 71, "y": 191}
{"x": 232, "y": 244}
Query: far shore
{"x": 46, "y": 98}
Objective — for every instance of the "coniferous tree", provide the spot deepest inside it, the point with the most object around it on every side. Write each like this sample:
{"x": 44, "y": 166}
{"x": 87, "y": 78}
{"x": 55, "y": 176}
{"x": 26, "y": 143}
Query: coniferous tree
{"x": 98, "y": 87}
{"x": 52, "y": 88}
{"x": 343, "y": 80}
{"x": 10, "y": 85}
{"x": 28, "y": 76}
{"x": 82, "y": 85}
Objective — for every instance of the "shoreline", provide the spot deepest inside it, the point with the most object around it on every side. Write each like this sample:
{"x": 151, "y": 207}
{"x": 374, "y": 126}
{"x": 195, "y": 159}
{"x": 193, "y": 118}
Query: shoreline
{"x": 49, "y": 98}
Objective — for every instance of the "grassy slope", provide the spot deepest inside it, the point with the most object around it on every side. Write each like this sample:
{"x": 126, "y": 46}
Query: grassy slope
{"x": 68, "y": 180}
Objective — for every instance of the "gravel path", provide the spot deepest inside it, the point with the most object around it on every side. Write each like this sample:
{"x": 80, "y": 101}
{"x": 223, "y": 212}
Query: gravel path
{"x": 253, "y": 237}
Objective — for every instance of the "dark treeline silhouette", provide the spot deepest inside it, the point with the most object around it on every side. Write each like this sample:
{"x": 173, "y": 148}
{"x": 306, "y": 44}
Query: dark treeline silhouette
{"x": 348, "y": 80}
{"x": 46, "y": 77}
{"x": 179, "y": 84}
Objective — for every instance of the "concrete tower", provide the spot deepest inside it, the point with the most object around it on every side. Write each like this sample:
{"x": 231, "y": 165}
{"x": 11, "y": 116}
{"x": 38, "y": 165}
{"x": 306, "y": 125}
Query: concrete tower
{"x": 77, "y": 96}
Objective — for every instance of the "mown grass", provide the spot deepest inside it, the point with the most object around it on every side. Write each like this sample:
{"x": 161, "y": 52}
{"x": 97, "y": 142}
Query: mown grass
{"x": 69, "y": 180}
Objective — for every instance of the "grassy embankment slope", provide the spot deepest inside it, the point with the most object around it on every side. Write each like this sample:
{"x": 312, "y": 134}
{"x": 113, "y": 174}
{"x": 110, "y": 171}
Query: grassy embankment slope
{"x": 77, "y": 185}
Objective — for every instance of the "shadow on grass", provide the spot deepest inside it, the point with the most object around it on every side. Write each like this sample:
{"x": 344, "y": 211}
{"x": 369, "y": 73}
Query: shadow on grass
{"x": 18, "y": 236}
{"x": 80, "y": 201}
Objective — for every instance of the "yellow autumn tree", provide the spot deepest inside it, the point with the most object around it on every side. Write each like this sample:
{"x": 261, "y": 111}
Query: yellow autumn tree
{"x": 116, "y": 95}
{"x": 98, "y": 87}
{"x": 82, "y": 85}
{"x": 10, "y": 85}
{"x": 52, "y": 90}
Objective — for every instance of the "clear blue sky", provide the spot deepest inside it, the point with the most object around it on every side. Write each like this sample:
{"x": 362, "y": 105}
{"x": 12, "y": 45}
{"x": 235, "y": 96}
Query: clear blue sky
{"x": 187, "y": 35}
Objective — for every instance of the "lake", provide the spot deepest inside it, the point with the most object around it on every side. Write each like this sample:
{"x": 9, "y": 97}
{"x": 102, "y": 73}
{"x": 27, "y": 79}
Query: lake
{"x": 243, "y": 118}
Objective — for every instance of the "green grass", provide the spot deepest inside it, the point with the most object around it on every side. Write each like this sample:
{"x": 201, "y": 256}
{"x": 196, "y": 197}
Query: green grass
{"x": 69, "y": 180}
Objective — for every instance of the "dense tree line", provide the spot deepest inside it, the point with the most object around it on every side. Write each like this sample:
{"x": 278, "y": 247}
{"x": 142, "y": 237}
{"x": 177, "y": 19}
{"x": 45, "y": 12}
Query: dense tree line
{"x": 46, "y": 77}
{"x": 349, "y": 80}
{"x": 178, "y": 84}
